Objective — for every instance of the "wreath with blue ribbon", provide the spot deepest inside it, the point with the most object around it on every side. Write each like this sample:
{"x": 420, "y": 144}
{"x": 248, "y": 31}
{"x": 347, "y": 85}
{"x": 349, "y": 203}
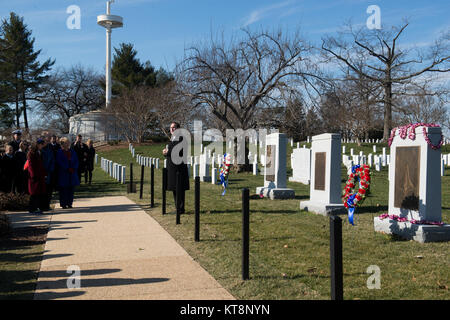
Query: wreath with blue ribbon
{"x": 224, "y": 170}
{"x": 354, "y": 199}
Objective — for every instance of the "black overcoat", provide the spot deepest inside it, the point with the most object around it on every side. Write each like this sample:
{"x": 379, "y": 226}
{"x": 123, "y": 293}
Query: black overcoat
{"x": 172, "y": 169}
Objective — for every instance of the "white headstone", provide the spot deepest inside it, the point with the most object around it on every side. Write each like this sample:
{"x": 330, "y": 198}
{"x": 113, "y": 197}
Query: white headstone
{"x": 301, "y": 165}
{"x": 349, "y": 166}
{"x": 204, "y": 175}
{"x": 214, "y": 176}
{"x": 255, "y": 168}
{"x": 196, "y": 170}
{"x": 123, "y": 174}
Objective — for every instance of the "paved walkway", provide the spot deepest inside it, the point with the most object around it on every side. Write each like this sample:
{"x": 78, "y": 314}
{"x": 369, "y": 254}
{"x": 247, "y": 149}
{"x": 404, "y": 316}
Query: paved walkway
{"x": 121, "y": 252}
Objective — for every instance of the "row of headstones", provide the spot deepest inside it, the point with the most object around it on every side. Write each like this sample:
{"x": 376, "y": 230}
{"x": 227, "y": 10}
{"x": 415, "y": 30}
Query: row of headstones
{"x": 203, "y": 166}
{"x": 114, "y": 170}
{"x": 148, "y": 161}
{"x": 308, "y": 140}
{"x": 301, "y": 162}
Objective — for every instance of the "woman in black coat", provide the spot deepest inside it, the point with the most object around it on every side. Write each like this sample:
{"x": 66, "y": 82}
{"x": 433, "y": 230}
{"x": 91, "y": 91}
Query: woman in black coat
{"x": 173, "y": 169}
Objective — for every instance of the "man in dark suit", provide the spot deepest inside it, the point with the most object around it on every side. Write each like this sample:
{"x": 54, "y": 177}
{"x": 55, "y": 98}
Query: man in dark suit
{"x": 81, "y": 150}
{"x": 173, "y": 169}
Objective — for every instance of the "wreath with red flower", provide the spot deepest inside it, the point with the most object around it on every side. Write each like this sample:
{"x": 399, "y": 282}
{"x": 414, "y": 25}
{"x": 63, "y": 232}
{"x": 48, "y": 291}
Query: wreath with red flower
{"x": 354, "y": 199}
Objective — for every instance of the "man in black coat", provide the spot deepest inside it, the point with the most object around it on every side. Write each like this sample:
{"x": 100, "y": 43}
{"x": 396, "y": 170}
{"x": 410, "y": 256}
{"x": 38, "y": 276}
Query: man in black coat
{"x": 172, "y": 170}
{"x": 54, "y": 145}
{"x": 81, "y": 150}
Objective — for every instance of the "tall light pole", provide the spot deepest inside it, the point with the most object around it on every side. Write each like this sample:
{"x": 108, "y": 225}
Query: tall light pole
{"x": 109, "y": 22}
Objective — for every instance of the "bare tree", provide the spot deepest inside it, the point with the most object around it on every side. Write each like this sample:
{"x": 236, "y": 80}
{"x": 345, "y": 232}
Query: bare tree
{"x": 133, "y": 113}
{"x": 423, "y": 103}
{"x": 236, "y": 81}
{"x": 69, "y": 92}
{"x": 169, "y": 105}
{"x": 386, "y": 62}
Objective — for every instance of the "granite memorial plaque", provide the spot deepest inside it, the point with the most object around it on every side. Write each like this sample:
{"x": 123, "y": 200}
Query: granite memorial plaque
{"x": 319, "y": 171}
{"x": 407, "y": 178}
{"x": 270, "y": 162}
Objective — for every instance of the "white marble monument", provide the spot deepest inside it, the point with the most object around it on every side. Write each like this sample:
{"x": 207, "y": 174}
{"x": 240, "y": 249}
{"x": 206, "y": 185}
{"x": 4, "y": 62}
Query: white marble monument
{"x": 325, "y": 187}
{"x": 301, "y": 165}
{"x": 275, "y": 169}
{"x": 415, "y": 189}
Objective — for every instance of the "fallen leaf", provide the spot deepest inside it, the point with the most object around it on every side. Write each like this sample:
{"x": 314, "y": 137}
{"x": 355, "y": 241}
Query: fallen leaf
{"x": 311, "y": 270}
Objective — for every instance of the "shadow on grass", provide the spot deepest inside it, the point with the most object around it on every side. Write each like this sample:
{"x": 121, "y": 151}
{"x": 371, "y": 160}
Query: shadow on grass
{"x": 273, "y": 277}
{"x": 15, "y": 251}
{"x": 371, "y": 209}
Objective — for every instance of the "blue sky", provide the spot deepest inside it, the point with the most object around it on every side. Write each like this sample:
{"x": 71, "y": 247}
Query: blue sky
{"x": 161, "y": 29}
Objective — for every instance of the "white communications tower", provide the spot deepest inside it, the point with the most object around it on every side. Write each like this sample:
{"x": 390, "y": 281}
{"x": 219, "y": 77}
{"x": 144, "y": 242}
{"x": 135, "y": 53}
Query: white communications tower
{"x": 109, "y": 22}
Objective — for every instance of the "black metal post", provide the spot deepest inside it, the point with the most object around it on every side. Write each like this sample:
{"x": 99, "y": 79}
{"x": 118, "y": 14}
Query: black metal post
{"x": 164, "y": 187}
{"x": 245, "y": 234}
{"x": 337, "y": 287}
{"x": 197, "y": 208}
{"x": 131, "y": 177}
{"x": 152, "y": 186}
{"x": 178, "y": 196}
{"x": 141, "y": 191}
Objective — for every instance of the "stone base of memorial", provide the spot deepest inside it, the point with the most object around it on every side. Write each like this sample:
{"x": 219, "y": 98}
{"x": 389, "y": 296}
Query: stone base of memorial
{"x": 298, "y": 179}
{"x": 276, "y": 193}
{"x": 325, "y": 209}
{"x": 410, "y": 231}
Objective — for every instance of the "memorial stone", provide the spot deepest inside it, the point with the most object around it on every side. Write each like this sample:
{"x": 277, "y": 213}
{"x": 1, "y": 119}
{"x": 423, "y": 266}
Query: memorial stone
{"x": 415, "y": 188}
{"x": 301, "y": 165}
{"x": 325, "y": 187}
{"x": 275, "y": 169}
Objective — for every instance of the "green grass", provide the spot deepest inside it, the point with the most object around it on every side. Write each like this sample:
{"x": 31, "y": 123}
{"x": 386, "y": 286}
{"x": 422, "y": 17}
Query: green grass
{"x": 20, "y": 259}
{"x": 289, "y": 248}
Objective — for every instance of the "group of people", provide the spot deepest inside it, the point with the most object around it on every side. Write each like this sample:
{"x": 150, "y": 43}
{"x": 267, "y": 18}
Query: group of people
{"x": 46, "y": 165}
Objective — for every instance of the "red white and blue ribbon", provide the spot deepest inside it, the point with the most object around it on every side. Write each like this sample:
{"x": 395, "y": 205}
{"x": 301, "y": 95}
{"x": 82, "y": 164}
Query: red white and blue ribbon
{"x": 224, "y": 170}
